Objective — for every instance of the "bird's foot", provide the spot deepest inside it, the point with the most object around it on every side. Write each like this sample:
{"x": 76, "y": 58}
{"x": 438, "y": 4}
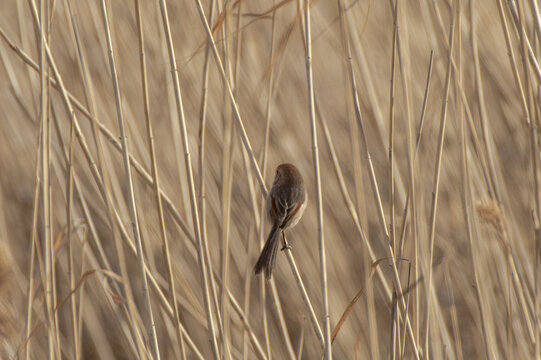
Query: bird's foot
{"x": 286, "y": 246}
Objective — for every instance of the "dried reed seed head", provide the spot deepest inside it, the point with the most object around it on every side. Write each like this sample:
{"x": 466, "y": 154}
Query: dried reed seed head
{"x": 490, "y": 213}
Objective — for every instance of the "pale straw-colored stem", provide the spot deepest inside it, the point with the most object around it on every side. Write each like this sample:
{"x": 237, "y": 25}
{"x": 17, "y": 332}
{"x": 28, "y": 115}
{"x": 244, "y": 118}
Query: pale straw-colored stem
{"x": 436, "y": 184}
{"x": 33, "y": 249}
{"x": 377, "y": 199}
{"x": 319, "y": 196}
{"x": 49, "y": 263}
{"x": 147, "y": 313}
{"x": 155, "y": 178}
{"x": 221, "y": 69}
{"x": 304, "y": 294}
{"x": 189, "y": 173}
{"x": 282, "y": 319}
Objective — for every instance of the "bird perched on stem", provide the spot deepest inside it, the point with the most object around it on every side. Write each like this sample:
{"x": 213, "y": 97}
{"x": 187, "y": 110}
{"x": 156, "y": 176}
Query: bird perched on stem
{"x": 286, "y": 202}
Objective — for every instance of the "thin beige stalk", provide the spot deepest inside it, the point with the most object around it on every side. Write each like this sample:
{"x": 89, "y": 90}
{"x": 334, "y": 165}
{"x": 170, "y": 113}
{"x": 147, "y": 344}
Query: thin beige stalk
{"x": 262, "y": 210}
{"x": 189, "y": 173}
{"x": 359, "y": 196}
{"x": 537, "y": 228}
{"x": 90, "y": 99}
{"x": 45, "y": 184}
{"x": 436, "y": 185}
{"x": 391, "y": 126}
{"x": 88, "y": 86}
{"x": 240, "y": 125}
{"x": 377, "y": 197}
{"x": 147, "y": 313}
{"x": 71, "y": 267}
{"x": 512, "y": 61}
{"x": 534, "y": 148}
{"x": 281, "y": 319}
{"x": 485, "y": 124}
{"x": 304, "y": 294}
{"x": 407, "y": 206}
{"x": 525, "y": 42}
{"x": 155, "y": 178}
{"x": 464, "y": 99}
{"x": 95, "y": 265}
{"x": 242, "y": 315}
{"x": 226, "y": 181}
{"x": 33, "y": 249}
{"x": 202, "y": 170}
{"x": 319, "y": 196}
{"x": 300, "y": 344}
{"x": 405, "y": 70}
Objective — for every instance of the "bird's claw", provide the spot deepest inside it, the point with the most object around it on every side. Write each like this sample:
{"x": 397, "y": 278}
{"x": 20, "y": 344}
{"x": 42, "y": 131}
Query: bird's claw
{"x": 286, "y": 246}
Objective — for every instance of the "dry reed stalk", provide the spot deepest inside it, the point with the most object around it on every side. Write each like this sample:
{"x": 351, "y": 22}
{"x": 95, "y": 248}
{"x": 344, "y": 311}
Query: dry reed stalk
{"x": 485, "y": 124}
{"x": 391, "y": 231}
{"x": 377, "y": 199}
{"x": 436, "y": 183}
{"x": 394, "y": 321}
{"x": 45, "y": 185}
{"x": 71, "y": 267}
{"x": 354, "y": 45}
{"x": 518, "y": 17}
{"x": 155, "y": 178}
{"x": 403, "y": 57}
{"x": 281, "y": 319}
{"x": 202, "y": 162}
{"x": 246, "y": 325}
{"x": 226, "y": 182}
{"x": 464, "y": 99}
{"x": 319, "y": 201}
{"x": 391, "y": 126}
{"x": 244, "y": 136}
{"x": 300, "y": 344}
{"x": 537, "y": 240}
{"x": 33, "y": 248}
{"x": 90, "y": 99}
{"x": 147, "y": 313}
{"x": 360, "y": 199}
{"x": 407, "y": 205}
{"x": 511, "y": 55}
{"x": 95, "y": 264}
{"x": 304, "y": 294}
{"x": 202, "y": 170}
{"x": 193, "y": 201}
{"x": 74, "y": 35}
{"x": 262, "y": 208}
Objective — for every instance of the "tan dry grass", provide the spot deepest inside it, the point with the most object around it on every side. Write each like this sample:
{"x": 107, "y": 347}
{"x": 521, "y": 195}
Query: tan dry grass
{"x": 468, "y": 229}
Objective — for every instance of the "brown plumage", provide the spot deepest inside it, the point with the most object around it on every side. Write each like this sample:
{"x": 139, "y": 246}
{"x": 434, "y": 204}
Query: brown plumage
{"x": 286, "y": 202}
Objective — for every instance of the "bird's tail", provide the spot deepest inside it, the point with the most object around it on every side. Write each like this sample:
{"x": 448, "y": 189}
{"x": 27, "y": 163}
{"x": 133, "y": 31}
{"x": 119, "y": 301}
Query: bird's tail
{"x": 267, "y": 259}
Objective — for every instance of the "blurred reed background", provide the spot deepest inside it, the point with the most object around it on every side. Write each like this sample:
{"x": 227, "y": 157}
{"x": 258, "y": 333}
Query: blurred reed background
{"x": 109, "y": 152}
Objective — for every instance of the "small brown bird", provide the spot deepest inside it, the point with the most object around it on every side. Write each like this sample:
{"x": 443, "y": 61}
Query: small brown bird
{"x": 286, "y": 202}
